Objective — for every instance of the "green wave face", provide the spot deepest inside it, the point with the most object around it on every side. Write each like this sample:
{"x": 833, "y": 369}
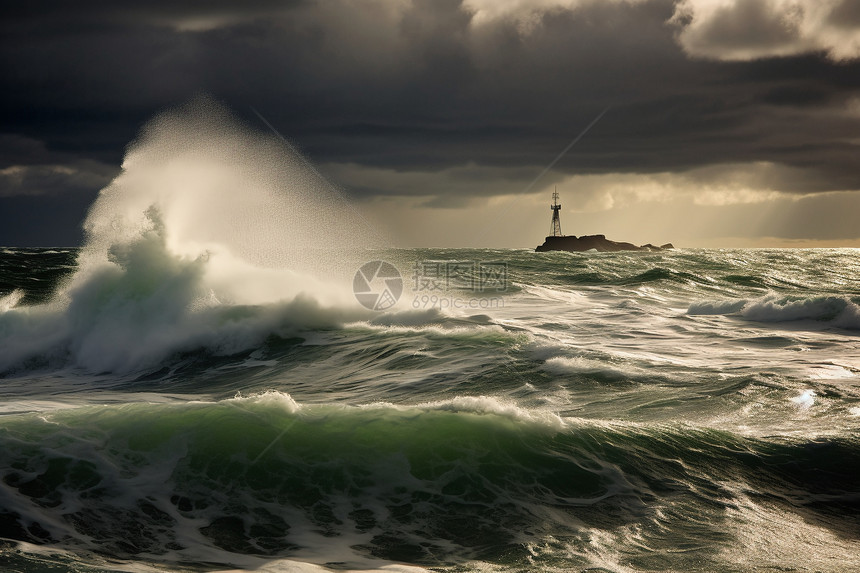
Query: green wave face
{"x": 429, "y": 485}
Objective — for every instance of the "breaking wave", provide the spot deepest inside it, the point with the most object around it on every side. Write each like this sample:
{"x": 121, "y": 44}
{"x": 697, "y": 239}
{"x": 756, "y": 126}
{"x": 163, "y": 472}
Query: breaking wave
{"x": 204, "y": 241}
{"x": 836, "y": 311}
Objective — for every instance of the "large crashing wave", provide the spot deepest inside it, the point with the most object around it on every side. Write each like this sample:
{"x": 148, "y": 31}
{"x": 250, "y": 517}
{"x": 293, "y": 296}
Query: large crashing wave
{"x": 210, "y": 237}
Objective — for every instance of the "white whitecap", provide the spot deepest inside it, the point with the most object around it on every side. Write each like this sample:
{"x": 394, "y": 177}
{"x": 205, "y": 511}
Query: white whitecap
{"x": 805, "y": 399}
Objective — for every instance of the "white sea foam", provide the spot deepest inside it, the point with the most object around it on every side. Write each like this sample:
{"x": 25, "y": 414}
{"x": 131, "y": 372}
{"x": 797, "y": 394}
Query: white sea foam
{"x": 576, "y": 364}
{"x": 481, "y": 405}
{"x": 269, "y": 397}
{"x": 805, "y": 400}
{"x": 716, "y": 307}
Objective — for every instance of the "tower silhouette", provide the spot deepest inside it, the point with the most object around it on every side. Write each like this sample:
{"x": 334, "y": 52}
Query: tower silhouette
{"x": 556, "y": 222}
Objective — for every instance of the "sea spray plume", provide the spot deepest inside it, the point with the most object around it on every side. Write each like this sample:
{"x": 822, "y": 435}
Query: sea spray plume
{"x": 11, "y": 300}
{"x": 220, "y": 185}
{"x": 208, "y": 239}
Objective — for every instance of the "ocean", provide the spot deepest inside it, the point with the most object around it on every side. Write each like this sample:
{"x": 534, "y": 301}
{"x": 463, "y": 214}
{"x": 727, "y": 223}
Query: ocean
{"x": 234, "y": 373}
{"x": 687, "y": 410}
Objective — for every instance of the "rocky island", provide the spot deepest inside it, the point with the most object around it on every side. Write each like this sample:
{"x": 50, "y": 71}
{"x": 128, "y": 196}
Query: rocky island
{"x": 593, "y": 242}
{"x": 559, "y": 242}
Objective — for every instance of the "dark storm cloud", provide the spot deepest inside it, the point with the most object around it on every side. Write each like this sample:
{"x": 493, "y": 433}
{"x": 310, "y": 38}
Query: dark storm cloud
{"x": 427, "y": 87}
{"x": 38, "y": 222}
{"x": 28, "y": 167}
{"x": 169, "y": 12}
{"x": 52, "y": 179}
{"x": 44, "y": 194}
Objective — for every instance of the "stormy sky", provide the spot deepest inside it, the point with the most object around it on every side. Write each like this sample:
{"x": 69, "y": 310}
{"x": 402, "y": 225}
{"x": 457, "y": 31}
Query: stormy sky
{"x": 727, "y": 122}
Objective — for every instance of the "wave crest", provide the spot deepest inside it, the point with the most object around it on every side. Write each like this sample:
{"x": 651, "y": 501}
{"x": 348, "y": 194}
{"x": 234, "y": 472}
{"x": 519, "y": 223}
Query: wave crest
{"x": 838, "y": 311}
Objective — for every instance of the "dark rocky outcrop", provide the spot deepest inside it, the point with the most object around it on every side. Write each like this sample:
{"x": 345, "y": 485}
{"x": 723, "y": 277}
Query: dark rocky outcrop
{"x": 594, "y": 242}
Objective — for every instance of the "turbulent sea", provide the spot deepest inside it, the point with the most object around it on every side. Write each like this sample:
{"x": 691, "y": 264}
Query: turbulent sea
{"x": 688, "y": 410}
{"x": 205, "y": 385}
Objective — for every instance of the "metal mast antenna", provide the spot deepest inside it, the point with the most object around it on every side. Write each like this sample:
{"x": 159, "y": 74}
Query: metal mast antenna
{"x": 556, "y": 222}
